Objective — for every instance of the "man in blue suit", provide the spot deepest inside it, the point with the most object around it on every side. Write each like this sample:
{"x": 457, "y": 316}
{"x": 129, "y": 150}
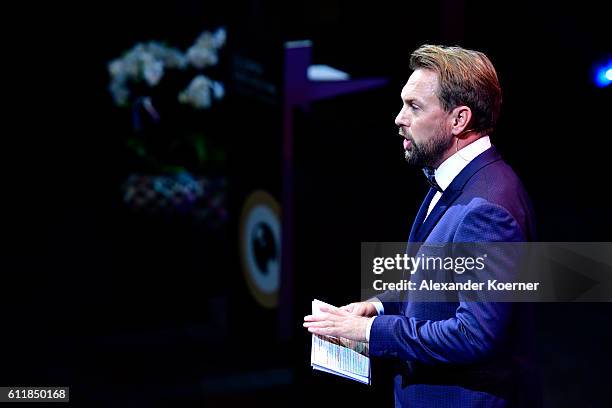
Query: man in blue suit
{"x": 459, "y": 353}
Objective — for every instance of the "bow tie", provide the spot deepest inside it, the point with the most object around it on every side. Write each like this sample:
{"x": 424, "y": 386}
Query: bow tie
{"x": 431, "y": 179}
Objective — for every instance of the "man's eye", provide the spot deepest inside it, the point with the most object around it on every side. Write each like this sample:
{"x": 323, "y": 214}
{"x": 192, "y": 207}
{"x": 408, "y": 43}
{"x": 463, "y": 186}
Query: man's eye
{"x": 413, "y": 106}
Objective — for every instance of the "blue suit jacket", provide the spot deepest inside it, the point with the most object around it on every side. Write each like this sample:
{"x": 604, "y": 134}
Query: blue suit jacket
{"x": 463, "y": 354}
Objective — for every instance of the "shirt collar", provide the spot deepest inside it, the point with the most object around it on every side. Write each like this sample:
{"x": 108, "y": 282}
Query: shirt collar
{"x": 451, "y": 167}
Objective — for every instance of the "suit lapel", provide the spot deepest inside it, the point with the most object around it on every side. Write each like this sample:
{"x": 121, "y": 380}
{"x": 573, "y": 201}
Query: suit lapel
{"x": 448, "y": 197}
{"x": 421, "y": 230}
{"x": 418, "y": 221}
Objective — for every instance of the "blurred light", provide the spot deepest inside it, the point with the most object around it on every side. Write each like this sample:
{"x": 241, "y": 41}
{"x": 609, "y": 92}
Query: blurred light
{"x": 603, "y": 75}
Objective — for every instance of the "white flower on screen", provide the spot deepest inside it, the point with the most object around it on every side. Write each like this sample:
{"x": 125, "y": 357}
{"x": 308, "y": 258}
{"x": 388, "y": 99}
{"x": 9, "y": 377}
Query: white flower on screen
{"x": 219, "y": 37}
{"x": 150, "y": 62}
{"x": 152, "y": 69}
{"x": 218, "y": 90}
{"x": 201, "y": 55}
{"x": 198, "y": 93}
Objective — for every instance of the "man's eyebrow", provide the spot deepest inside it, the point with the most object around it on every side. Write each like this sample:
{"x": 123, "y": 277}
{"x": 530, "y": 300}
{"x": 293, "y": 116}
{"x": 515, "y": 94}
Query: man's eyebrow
{"x": 409, "y": 100}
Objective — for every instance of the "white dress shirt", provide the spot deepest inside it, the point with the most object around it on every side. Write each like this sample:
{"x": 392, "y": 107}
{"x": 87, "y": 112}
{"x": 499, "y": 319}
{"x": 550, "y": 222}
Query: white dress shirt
{"x": 444, "y": 174}
{"x": 451, "y": 167}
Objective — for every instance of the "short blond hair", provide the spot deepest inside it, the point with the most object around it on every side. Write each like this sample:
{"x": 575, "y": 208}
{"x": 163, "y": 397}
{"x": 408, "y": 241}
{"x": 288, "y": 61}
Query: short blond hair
{"x": 467, "y": 78}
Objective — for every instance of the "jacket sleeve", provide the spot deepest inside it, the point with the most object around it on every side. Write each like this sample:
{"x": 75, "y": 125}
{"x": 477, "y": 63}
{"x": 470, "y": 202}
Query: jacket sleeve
{"x": 390, "y": 301}
{"x": 477, "y": 328}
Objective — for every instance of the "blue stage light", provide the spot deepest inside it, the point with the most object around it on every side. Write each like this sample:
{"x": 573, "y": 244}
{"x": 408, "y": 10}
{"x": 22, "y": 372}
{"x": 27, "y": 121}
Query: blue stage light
{"x": 603, "y": 75}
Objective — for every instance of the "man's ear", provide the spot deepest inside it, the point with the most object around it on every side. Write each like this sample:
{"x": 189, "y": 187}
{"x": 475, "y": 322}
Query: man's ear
{"x": 461, "y": 117}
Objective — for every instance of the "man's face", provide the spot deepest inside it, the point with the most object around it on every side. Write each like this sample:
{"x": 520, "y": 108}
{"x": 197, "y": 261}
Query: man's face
{"x": 423, "y": 123}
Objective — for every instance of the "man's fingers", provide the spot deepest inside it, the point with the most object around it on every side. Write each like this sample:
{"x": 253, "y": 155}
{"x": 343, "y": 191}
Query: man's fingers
{"x": 326, "y": 323}
{"x": 357, "y": 309}
{"x": 363, "y": 310}
{"x": 334, "y": 311}
{"x": 348, "y": 308}
{"x": 322, "y": 331}
{"x": 318, "y": 317}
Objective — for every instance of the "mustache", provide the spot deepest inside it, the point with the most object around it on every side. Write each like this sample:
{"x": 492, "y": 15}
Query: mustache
{"x": 405, "y": 135}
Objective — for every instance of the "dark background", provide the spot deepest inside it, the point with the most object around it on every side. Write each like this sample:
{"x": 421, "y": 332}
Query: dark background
{"x": 130, "y": 310}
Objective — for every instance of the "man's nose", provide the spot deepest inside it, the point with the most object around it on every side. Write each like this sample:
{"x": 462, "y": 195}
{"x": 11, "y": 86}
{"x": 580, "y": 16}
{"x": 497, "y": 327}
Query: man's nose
{"x": 400, "y": 119}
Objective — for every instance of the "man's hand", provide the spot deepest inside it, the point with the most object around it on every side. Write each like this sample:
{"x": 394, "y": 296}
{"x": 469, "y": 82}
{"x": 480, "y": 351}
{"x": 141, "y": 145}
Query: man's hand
{"x": 337, "y": 322}
{"x": 366, "y": 309}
